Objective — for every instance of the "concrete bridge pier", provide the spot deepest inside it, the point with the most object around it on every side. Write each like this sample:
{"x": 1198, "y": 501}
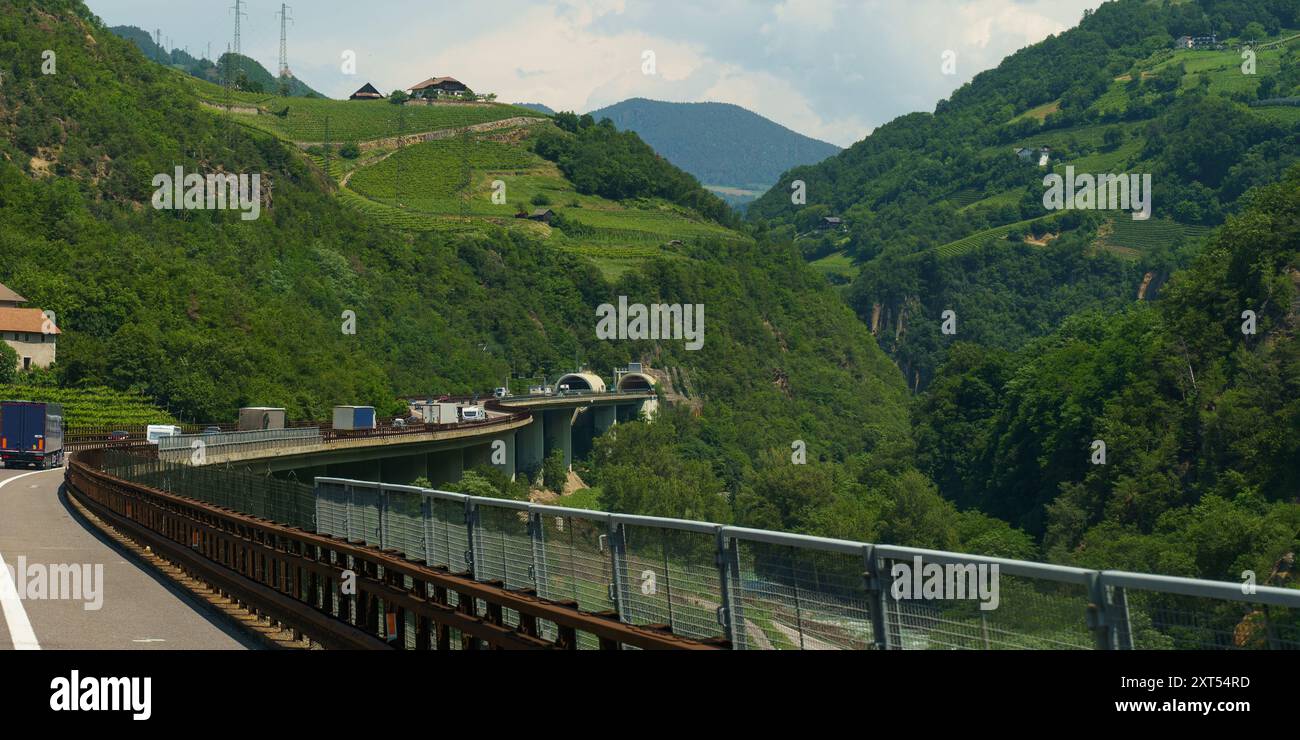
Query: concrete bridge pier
{"x": 503, "y": 454}
{"x": 628, "y": 412}
{"x": 445, "y": 467}
{"x": 404, "y": 470}
{"x": 603, "y": 418}
{"x": 530, "y": 444}
{"x": 557, "y": 428}
{"x": 363, "y": 470}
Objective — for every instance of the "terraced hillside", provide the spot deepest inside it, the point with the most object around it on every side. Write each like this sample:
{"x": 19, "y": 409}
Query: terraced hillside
{"x": 92, "y": 407}
{"x": 433, "y": 168}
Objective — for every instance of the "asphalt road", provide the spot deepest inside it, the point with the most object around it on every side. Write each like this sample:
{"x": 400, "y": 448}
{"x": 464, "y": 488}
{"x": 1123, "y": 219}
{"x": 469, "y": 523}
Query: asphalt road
{"x": 138, "y": 610}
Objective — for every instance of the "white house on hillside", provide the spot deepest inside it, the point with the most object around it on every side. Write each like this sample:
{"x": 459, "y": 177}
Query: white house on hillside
{"x": 27, "y": 330}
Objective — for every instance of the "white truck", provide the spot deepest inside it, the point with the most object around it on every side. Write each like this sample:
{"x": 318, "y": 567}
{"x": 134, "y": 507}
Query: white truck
{"x": 155, "y": 432}
{"x": 436, "y": 413}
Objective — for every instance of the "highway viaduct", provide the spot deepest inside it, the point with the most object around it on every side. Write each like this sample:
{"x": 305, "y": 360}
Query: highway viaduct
{"x": 518, "y": 435}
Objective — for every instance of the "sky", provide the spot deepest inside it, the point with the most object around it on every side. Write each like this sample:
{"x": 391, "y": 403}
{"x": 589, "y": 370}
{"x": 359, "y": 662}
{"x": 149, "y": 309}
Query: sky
{"x": 830, "y": 69}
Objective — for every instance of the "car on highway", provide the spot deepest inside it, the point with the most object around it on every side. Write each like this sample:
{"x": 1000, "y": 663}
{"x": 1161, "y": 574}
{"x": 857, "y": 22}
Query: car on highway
{"x": 212, "y": 430}
{"x": 120, "y": 435}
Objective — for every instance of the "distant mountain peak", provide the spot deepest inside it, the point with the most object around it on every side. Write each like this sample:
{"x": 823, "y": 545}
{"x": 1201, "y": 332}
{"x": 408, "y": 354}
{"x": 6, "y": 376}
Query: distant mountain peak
{"x": 721, "y": 144}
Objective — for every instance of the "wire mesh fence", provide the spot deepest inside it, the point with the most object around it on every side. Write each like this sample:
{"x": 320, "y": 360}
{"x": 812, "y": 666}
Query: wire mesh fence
{"x": 502, "y": 543}
{"x": 669, "y": 575}
{"x": 798, "y": 593}
{"x": 186, "y": 447}
{"x": 757, "y": 589}
{"x": 230, "y": 487}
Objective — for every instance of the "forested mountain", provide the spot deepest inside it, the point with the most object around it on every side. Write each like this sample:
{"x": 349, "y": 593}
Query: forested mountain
{"x": 244, "y": 72}
{"x": 1198, "y": 408}
{"x": 1075, "y": 329}
{"x": 721, "y": 144}
{"x": 925, "y": 193}
{"x": 205, "y": 312}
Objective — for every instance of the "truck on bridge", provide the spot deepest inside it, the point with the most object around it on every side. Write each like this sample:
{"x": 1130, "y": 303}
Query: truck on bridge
{"x": 31, "y": 434}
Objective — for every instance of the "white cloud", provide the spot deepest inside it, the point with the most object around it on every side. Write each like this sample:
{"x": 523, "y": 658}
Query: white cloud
{"x": 832, "y": 69}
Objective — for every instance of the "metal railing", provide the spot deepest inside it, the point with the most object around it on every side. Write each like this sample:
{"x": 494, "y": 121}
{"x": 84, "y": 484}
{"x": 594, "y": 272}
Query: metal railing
{"x": 771, "y": 590}
{"x": 339, "y": 594}
{"x": 259, "y": 495}
{"x": 186, "y": 446}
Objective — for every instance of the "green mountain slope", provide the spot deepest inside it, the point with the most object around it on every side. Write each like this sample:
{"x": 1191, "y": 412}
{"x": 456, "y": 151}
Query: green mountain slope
{"x": 1109, "y": 96}
{"x": 255, "y": 77}
{"x": 721, "y": 144}
{"x": 203, "y": 311}
{"x": 1199, "y": 418}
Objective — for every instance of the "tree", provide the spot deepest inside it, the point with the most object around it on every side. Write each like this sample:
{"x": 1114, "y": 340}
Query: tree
{"x": 8, "y": 363}
{"x": 554, "y": 474}
{"x": 1113, "y": 137}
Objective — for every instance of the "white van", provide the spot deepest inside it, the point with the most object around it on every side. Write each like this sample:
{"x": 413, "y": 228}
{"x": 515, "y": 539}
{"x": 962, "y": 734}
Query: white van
{"x": 157, "y": 431}
{"x": 472, "y": 413}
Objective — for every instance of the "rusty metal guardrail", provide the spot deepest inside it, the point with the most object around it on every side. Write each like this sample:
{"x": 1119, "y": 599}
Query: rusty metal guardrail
{"x": 342, "y": 594}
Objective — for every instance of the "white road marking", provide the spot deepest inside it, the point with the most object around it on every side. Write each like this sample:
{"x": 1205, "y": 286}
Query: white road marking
{"x": 20, "y": 628}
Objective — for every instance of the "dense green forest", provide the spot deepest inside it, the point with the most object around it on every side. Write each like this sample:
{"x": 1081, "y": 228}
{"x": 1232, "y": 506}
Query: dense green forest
{"x": 1111, "y": 95}
{"x": 718, "y": 143}
{"x": 1201, "y": 420}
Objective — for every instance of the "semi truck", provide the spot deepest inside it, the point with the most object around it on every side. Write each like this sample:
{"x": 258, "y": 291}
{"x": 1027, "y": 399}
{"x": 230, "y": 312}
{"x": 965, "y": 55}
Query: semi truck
{"x": 253, "y": 418}
{"x": 31, "y": 434}
{"x": 436, "y": 413}
{"x": 354, "y": 418}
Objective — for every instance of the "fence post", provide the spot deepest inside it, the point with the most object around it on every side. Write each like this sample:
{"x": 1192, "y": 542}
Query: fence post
{"x": 618, "y": 564}
{"x": 733, "y": 600}
{"x": 875, "y": 597}
{"x": 426, "y": 524}
{"x": 471, "y": 542}
{"x": 536, "y": 537}
{"x": 1125, "y": 641}
{"x": 348, "y": 495}
{"x": 1099, "y": 613}
{"x": 383, "y": 517}
{"x": 725, "y": 616}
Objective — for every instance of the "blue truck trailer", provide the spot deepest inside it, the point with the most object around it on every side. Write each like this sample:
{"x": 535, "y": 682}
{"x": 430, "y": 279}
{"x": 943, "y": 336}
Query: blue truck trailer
{"x": 31, "y": 434}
